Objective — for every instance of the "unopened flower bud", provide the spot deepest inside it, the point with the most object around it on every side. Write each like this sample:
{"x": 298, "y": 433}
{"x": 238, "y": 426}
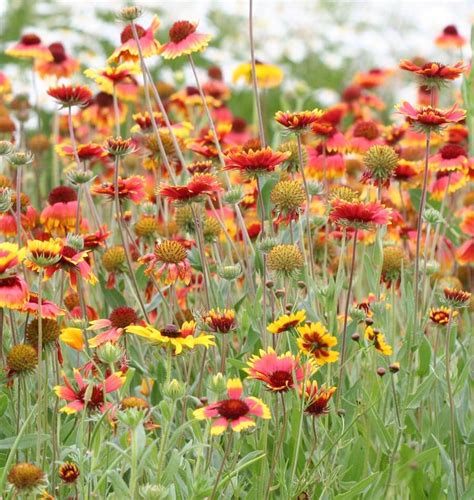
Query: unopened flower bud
{"x": 77, "y": 176}
{"x": 109, "y": 353}
{"x": 381, "y": 371}
{"x": 233, "y": 196}
{"x": 229, "y": 272}
{"x": 218, "y": 383}
{"x": 6, "y": 148}
{"x": 174, "y": 389}
{"x": 355, "y": 337}
{"x": 75, "y": 241}
{"x": 128, "y": 14}
{"x": 315, "y": 188}
{"x": 131, "y": 417}
{"x": 266, "y": 244}
{"x": 280, "y": 293}
{"x": 394, "y": 367}
{"x": 20, "y": 158}
{"x": 432, "y": 216}
{"x": 5, "y": 199}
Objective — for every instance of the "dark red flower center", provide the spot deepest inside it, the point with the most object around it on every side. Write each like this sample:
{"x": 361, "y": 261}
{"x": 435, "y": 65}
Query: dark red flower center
{"x": 58, "y": 52}
{"x": 367, "y": 129}
{"x": 62, "y": 194}
{"x": 192, "y": 91}
{"x": 30, "y": 39}
{"x": 281, "y": 378}
{"x": 170, "y": 331}
{"x": 450, "y": 30}
{"x": 96, "y": 397}
{"x": 180, "y": 30}
{"x": 8, "y": 282}
{"x": 351, "y": 93}
{"x": 238, "y": 124}
{"x": 232, "y": 409}
{"x": 319, "y": 407}
{"x": 104, "y": 100}
{"x": 121, "y": 317}
{"x": 451, "y": 151}
{"x": 215, "y": 73}
{"x": 127, "y": 33}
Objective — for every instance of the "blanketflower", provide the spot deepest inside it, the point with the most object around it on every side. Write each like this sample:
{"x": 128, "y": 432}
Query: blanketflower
{"x": 234, "y": 411}
{"x": 357, "y": 214}
{"x": 315, "y": 341}
{"x": 432, "y": 73}
{"x": 373, "y": 78}
{"x": 73, "y": 337}
{"x": 13, "y": 292}
{"x": 220, "y": 320}
{"x": 43, "y": 253}
{"x": 287, "y": 322}
{"x": 255, "y": 162}
{"x": 378, "y": 340}
{"x": 449, "y": 158}
{"x": 170, "y": 336}
{"x": 440, "y": 315}
{"x": 114, "y": 326}
{"x": 299, "y": 121}
{"x": 49, "y": 309}
{"x": 169, "y": 262}
{"x": 96, "y": 393}
{"x": 447, "y": 182}
{"x": 268, "y": 75}
{"x": 427, "y": 118}
{"x": 198, "y": 187}
{"x": 129, "y": 188}
{"x": 85, "y": 152}
{"x": 363, "y": 135}
{"x": 70, "y": 95}
{"x": 128, "y": 51}
{"x": 109, "y": 77}
{"x": 450, "y": 38}
{"x": 61, "y": 66}
{"x": 279, "y": 373}
{"x": 10, "y": 256}
{"x": 317, "y": 398}
{"x": 100, "y": 112}
{"x": 59, "y": 217}
{"x": 184, "y": 40}
{"x": 30, "y": 47}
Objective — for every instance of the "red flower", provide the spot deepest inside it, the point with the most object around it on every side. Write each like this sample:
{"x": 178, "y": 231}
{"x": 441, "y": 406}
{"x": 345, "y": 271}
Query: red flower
{"x": 358, "y": 215}
{"x": 297, "y": 121}
{"x": 450, "y": 38}
{"x": 255, "y": 162}
{"x": 200, "y": 185}
{"x": 428, "y": 118}
{"x": 71, "y": 95}
{"x": 130, "y": 188}
{"x": 184, "y": 40}
{"x": 434, "y": 73}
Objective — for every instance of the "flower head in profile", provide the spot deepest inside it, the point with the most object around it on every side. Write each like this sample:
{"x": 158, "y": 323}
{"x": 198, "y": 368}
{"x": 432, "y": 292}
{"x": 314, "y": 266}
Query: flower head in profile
{"x": 434, "y": 74}
{"x": 109, "y": 77}
{"x": 113, "y": 327}
{"x": 450, "y": 38}
{"x": 169, "y": 261}
{"x": 427, "y": 118}
{"x": 287, "y": 322}
{"x": 27, "y": 479}
{"x": 255, "y": 162}
{"x": 129, "y": 49}
{"x": 456, "y": 298}
{"x": 220, "y": 320}
{"x": 235, "y": 411}
{"x": 59, "y": 216}
{"x": 29, "y": 46}
{"x": 129, "y": 188}
{"x": 317, "y": 398}
{"x": 90, "y": 396}
{"x": 268, "y": 75}
{"x": 196, "y": 190}
{"x": 184, "y": 40}
{"x": 13, "y": 292}
{"x": 298, "y": 121}
{"x": 61, "y": 66}
{"x": 278, "y": 373}
{"x": 42, "y": 254}
{"x": 71, "y": 95}
{"x": 357, "y": 214}
{"x": 69, "y": 472}
{"x": 116, "y": 146}
{"x": 316, "y": 342}
{"x": 378, "y": 340}
{"x": 49, "y": 310}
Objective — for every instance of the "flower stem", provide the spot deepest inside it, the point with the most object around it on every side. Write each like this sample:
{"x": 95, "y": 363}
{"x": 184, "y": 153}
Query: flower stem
{"x": 221, "y": 468}
{"x": 346, "y": 315}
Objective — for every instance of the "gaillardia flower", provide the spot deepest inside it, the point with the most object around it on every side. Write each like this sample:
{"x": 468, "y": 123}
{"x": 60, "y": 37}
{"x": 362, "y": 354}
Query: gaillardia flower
{"x": 114, "y": 327}
{"x": 59, "y": 217}
{"x": 234, "y": 411}
{"x": 378, "y": 340}
{"x": 197, "y": 189}
{"x": 184, "y": 40}
{"x": 427, "y": 118}
{"x": 298, "y": 121}
{"x": 70, "y": 95}
{"x": 285, "y": 260}
{"x": 220, "y": 320}
{"x": 279, "y": 373}
{"x": 357, "y": 214}
{"x": 287, "y": 322}
{"x": 315, "y": 341}
{"x": 26, "y": 478}
{"x": 30, "y": 47}
{"x": 317, "y": 398}
{"x": 434, "y": 74}
{"x": 255, "y": 162}
{"x": 268, "y": 75}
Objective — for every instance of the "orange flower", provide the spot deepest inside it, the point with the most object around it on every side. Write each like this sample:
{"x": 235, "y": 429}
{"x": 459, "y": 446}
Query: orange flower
{"x": 255, "y": 162}
{"x": 130, "y": 188}
{"x": 61, "y": 66}
{"x": 184, "y": 40}
{"x": 428, "y": 118}
{"x": 70, "y": 95}
{"x": 299, "y": 121}
{"x": 128, "y": 51}
{"x": 433, "y": 74}
{"x": 450, "y": 38}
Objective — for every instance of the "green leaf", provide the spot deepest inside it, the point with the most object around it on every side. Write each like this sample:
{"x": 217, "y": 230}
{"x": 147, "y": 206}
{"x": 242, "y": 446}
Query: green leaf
{"x": 3, "y": 403}
{"x": 119, "y": 485}
{"x": 360, "y": 487}
{"x": 26, "y": 441}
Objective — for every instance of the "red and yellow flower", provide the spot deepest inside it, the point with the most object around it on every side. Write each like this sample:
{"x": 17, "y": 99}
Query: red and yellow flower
{"x": 287, "y": 322}
{"x": 317, "y": 398}
{"x": 114, "y": 326}
{"x": 316, "y": 342}
{"x": 61, "y": 66}
{"x": 255, "y": 162}
{"x": 183, "y": 40}
{"x": 234, "y": 411}
{"x": 30, "y": 47}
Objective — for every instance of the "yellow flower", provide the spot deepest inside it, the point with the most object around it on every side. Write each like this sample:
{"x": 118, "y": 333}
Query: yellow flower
{"x": 43, "y": 253}
{"x": 315, "y": 341}
{"x": 72, "y": 337}
{"x": 107, "y": 77}
{"x": 167, "y": 337}
{"x": 378, "y": 339}
{"x": 287, "y": 321}
{"x": 268, "y": 75}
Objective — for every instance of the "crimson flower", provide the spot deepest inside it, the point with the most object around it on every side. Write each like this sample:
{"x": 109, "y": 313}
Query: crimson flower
{"x": 130, "y": 188}
{"x": 427, "y": 118}
{"x": 71, "y": 95}
{"x": 199, "y": 186}
{"x": 358, "y": 215}
{"x": 255, "y": 162}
